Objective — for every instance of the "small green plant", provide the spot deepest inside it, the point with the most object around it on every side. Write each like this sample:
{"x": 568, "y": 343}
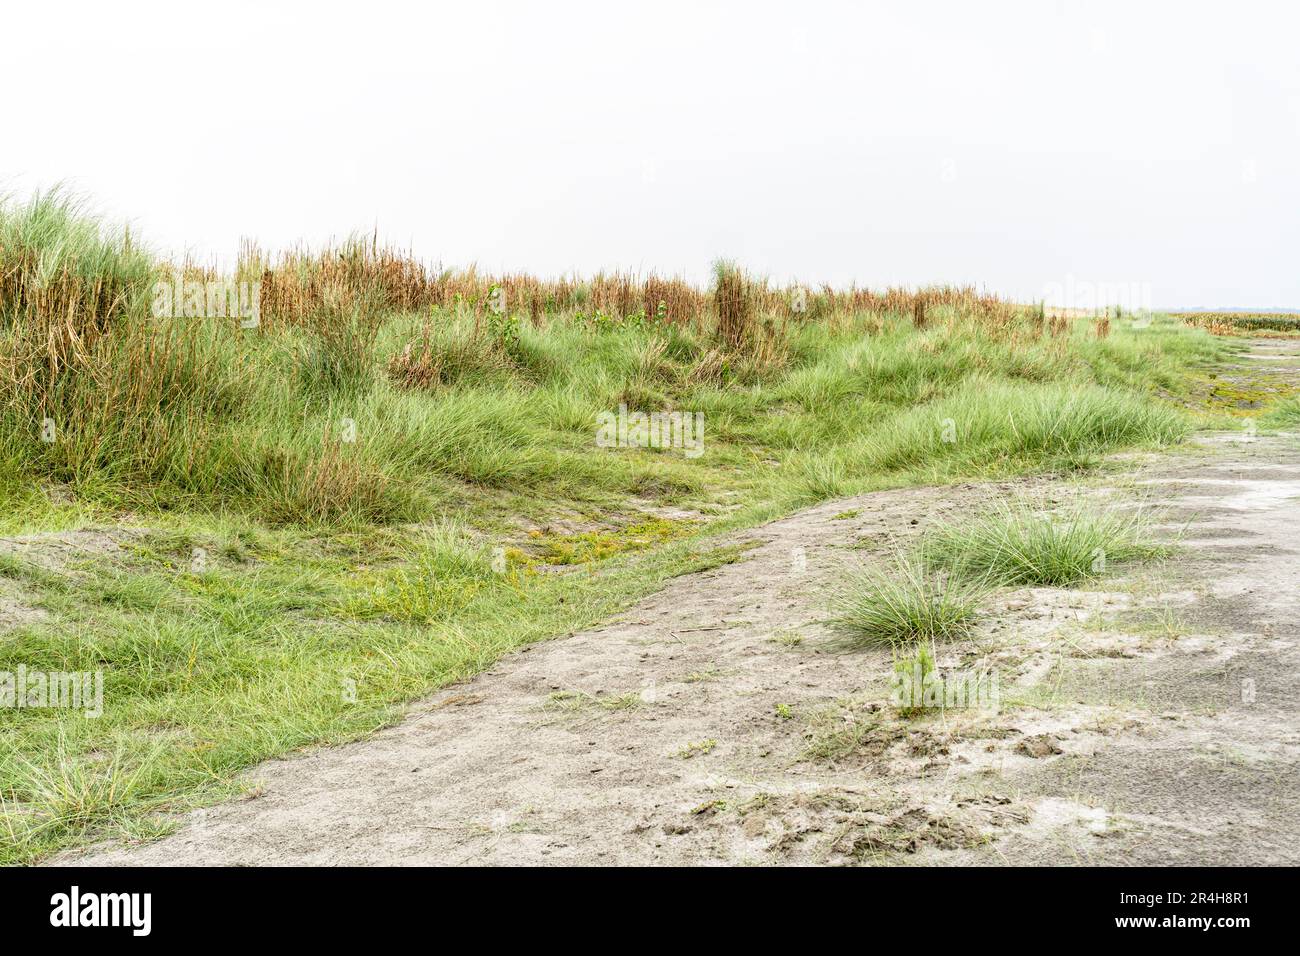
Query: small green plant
{"x": 602, "y": 322}
{"x": 911, "y": 671}
{"x": 697, "y": 749}
{"x": 504, "y": 330}
{"x": 784, "y": 712}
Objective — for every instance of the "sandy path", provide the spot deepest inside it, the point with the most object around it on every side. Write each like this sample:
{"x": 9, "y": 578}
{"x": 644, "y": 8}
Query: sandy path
{"x": 714, "y": 723}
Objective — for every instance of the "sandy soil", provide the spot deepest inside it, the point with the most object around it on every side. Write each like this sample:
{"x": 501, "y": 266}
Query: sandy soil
{"x": 717, "y": 722}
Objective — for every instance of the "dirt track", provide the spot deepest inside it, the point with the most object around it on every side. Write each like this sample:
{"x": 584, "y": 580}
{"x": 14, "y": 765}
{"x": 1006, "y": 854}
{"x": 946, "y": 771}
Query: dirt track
{"x": 1153, "y": 722}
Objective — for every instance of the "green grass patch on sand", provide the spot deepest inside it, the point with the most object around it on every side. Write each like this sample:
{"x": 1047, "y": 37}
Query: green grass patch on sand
{"x": 1014, "y": 544}
{"x": 905, "y": 605}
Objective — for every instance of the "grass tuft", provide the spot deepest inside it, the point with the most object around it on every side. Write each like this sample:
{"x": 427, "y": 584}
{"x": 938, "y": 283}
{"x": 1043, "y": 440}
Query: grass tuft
{"x": 1015, "y": 545}
{"x": 906, "y": 605}
{"x": 733, "y": 300}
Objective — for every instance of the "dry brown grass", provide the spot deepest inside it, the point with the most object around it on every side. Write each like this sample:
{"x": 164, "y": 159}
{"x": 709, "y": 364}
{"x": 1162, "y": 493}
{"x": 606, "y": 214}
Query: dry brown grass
{"x": 734, "y": 304}
{"x": 299, "y": 284}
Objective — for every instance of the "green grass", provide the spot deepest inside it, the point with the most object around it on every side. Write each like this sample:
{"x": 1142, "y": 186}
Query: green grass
{"x": 1014, "y": 544}
{"x": 1285, "y": 414}
{"x": 989, "y": 425}
{"x": 912, "y": 669}
{"x": 906, "y": 604}
{"x": 353, "y": 472}
{"x": 936, "y": 594}
{"x": 207, "y": 674}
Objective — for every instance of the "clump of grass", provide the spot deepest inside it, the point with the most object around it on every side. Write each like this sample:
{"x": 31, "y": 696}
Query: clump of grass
{"x": 434, "y": 362}
{"x": 995, "y": 423}
{"x": 65, "y": 280}
{"x": 1015, "y": 545}
{"x": 328, "y": 485}
{"x": 340, "y": 356}
{"x": 908, "y": 604}
{"x": 734, "y": 303}
{"x": 452, "y": 353}
{"x": 822, "y": 479}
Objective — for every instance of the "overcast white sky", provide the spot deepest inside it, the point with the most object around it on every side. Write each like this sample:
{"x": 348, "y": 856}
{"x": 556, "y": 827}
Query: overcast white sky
{"x": 1018, "y": 146}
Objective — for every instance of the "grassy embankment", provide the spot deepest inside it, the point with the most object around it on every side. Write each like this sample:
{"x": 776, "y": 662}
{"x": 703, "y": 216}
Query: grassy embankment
{"x": 386, "y": 484}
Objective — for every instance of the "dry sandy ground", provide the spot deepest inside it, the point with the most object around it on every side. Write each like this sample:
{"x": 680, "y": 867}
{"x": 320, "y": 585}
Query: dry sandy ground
{"x": 717, "y": 723}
